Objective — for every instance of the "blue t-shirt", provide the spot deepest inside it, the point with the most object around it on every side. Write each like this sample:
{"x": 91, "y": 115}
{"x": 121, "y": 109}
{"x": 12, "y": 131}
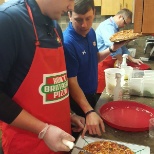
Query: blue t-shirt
{"x": 17, "y": 41}
{"x": 17, "y": 48}
{"x": 103, "y": 33}
{"x": 81, "y": 58}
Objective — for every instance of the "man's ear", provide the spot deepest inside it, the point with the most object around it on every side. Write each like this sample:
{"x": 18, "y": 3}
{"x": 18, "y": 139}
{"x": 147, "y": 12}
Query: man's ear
{"x": 120, "y": 16}
{"x": 70, "y": 16}
{"x": 94, "y": 12}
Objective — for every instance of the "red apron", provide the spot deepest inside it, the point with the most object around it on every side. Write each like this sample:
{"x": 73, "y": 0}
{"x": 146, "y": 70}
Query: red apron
{"x": 143, "y": 66}
{"x": 44, "y": 94}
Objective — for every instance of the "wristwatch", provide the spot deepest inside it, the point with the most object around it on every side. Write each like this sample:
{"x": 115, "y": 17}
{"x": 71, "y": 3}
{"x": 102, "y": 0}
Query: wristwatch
{"x": 111, "y": 50}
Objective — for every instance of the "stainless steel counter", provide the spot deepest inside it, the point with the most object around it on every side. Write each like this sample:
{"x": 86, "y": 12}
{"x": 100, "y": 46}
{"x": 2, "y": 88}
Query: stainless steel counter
{"x": 141, "y": 138}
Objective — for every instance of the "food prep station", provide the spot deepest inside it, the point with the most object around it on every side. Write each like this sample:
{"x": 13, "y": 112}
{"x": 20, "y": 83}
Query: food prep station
{"x": 136, "y": 140}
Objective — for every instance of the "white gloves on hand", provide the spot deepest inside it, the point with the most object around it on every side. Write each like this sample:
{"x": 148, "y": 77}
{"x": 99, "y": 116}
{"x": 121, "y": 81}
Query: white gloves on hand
{"x": 53, "y": 137}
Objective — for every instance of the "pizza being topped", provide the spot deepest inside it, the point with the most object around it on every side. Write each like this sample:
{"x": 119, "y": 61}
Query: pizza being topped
{"x": 106, "y": 147}
{"x": 124, "y": 35}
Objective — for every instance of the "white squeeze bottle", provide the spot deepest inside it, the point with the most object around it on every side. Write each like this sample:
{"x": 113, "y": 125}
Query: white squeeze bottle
{"x": 124, "y": 63}
{"x": 117, "y": 94}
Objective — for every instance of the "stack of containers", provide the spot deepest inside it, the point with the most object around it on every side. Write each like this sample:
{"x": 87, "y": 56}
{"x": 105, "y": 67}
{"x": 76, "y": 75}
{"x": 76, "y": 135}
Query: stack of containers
{"x": 110, "y": 79}
{"x": 136, "y": 83}
{"x": 142, "y": 83}
{"x": 148, "y": 83}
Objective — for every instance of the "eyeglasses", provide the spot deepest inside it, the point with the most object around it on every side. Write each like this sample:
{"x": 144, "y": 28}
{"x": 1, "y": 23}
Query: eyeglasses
{"x": 124, "y": 20}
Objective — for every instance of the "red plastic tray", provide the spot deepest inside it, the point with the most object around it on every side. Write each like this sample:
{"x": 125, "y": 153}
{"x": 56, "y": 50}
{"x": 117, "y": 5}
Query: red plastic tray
{"x": 127, "y": 115}
{"x": 143, "y": 66}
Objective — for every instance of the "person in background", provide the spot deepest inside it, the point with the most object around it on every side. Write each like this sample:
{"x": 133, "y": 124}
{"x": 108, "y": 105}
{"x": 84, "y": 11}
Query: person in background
{"x": 34, "y": 102}
{"x": 82, "y": 59}
{"x": 103, "y": 33}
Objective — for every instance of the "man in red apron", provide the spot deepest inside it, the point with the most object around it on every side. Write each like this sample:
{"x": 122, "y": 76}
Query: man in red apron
{"x": 103, "y": 33}
{"x": 34, "y": 103}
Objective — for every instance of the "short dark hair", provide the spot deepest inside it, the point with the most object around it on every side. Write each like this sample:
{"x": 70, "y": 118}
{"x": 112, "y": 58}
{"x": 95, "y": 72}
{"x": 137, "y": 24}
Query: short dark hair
{"x": 126, "y": 13}
{"x": 83, "y": 6}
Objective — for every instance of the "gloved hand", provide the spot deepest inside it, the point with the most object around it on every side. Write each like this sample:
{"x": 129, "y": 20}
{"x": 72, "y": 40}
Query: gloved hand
{"x": 53, "y": 137}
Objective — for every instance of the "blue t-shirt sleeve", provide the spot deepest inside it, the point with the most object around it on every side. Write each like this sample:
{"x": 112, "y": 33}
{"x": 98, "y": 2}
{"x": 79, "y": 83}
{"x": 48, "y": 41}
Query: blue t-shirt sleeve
{"x": 7, "y": 45}
{"x": 103, "y": 34}
{"x": 7, "y": 57}
{"x": 106, "y": 34}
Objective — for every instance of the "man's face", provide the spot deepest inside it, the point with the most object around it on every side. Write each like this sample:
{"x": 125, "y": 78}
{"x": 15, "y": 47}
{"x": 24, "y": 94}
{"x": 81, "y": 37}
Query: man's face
{"x": 123, "y": 21}
{"x": 55, "y": 8}
{"x": 82, "y": 23}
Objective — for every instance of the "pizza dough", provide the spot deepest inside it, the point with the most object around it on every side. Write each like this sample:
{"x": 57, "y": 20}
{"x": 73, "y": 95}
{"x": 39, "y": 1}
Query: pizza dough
{"x": 106, "y": 147}
{"x": 125, "y": 35}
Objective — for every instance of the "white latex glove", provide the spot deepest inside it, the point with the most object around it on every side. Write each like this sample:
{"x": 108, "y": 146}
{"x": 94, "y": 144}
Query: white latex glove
{"x": 53, "y": 137}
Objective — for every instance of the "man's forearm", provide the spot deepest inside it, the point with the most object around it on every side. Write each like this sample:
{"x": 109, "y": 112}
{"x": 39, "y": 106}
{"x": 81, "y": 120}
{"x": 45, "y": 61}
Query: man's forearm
{"x": 9, "y": 110}
{"x": 13, "y": 114}
{"x": 78, "y": 95}
{"x": 28, "y": 122}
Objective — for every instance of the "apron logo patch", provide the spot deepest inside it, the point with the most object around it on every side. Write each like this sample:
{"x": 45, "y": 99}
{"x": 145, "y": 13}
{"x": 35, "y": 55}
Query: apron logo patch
{"x": 54, "y": 87}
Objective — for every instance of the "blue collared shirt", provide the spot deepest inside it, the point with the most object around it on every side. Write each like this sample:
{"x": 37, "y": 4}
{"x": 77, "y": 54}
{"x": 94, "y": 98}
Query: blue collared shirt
{"x": 103, "y": 33}
{"x": 81, "y": 58}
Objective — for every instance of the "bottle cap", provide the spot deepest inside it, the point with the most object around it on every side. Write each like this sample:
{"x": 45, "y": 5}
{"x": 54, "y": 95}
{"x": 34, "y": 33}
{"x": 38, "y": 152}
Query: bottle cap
{"x": 125, "y": 55}
{"x": 118, "y": 75}
{"x": 124, "y": 63}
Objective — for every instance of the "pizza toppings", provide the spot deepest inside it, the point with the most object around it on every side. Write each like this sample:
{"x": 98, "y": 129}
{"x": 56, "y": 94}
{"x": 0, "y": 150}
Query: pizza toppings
{"x": 106, "y": 147}
{"x": 124, "y": 35}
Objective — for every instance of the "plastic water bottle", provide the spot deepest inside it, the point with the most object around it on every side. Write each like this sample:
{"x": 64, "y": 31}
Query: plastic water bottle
{"x": 126, "y": 92}
{"x": 117, "y": 94}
